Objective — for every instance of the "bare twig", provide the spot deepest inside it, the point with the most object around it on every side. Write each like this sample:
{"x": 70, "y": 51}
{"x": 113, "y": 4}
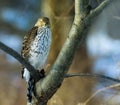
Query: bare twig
{"x": 100, "y": 90}
{"x": 100, "y": 8}
{"x": 93, "y": 76}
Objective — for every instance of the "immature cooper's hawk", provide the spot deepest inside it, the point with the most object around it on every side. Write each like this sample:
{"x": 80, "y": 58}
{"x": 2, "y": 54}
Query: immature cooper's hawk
{"x": 36, "y": 46}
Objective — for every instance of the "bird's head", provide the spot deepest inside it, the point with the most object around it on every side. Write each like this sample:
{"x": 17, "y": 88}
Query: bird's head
{"x": 43, "y": 22}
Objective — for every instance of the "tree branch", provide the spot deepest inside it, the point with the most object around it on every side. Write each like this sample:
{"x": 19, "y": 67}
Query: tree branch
{"x": 93, "y": 76}
{"x": 100, "y": 8}
{"x": 79, "y": 7}
{"x": 17, "y": 56}
{"x": 100, "y": 90}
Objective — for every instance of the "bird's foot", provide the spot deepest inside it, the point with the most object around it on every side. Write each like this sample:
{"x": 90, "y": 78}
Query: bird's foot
{"x": 42, "y": 73}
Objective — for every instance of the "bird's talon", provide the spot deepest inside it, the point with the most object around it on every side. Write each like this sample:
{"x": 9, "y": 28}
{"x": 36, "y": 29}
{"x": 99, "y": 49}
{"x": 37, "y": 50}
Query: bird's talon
{"x": 42, "y": 73}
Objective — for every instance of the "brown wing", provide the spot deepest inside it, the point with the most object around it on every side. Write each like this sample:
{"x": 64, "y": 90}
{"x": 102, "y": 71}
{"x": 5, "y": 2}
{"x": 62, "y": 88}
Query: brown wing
{"x": 29, "y": 37}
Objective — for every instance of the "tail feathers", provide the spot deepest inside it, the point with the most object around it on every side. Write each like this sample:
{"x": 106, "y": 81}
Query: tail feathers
{"x": 26, "y": 74}
{"x": 31, "y": 85}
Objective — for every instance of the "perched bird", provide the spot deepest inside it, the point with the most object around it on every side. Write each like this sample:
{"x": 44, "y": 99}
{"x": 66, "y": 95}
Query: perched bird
{"x": 35, "y": 50}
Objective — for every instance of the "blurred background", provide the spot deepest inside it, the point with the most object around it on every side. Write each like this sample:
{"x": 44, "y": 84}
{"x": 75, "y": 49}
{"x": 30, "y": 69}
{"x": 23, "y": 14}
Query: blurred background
{"x": 99, "y": 52}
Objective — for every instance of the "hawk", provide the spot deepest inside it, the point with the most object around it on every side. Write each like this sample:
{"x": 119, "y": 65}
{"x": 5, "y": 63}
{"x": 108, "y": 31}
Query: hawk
{"x": 35, "y": 49}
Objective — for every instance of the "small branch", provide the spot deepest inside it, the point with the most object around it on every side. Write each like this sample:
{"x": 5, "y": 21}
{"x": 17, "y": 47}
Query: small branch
{"x": 100, "y": 8}
{"x": 100, "y": 90}
{"x": 79, "y": 7}
{"x": 93, "y": 76}
{"x": 79, "y": 10}
{"x": 13, "y": 53}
